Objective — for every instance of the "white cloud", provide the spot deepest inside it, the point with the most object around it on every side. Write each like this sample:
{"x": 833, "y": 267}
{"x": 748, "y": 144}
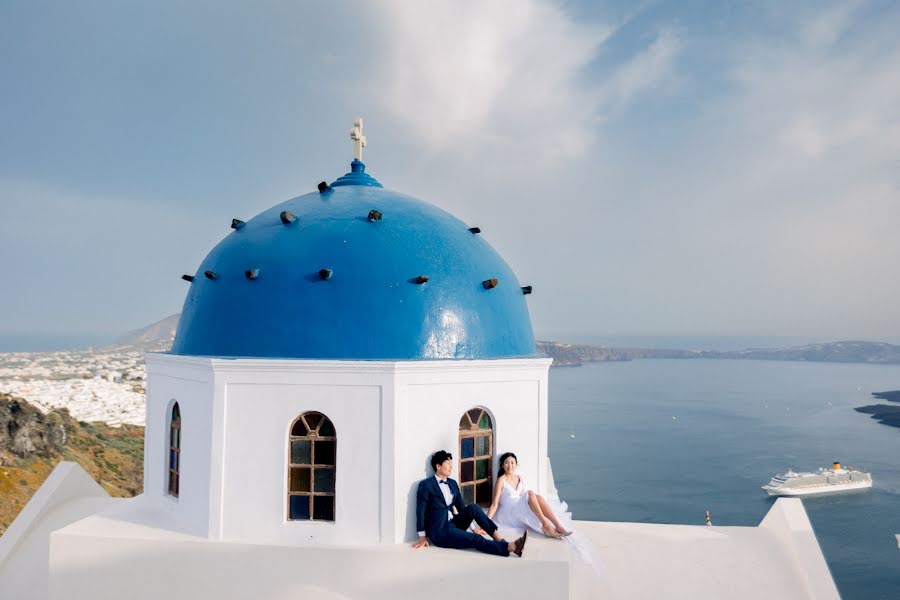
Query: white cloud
{"x": 786, "y": 189}
{"x": 825, "y": 28}
{"x": 769, "y": 211}
{"x": 764, "y": 191}
{"x": 835, "y": 83}
{"x": 495, "y": 74}
{"x": 648, "y": 70}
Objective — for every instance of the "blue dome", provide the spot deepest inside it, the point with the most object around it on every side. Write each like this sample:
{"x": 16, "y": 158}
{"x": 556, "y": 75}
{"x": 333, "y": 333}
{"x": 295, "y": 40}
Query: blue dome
{"x": 333, "y": 283}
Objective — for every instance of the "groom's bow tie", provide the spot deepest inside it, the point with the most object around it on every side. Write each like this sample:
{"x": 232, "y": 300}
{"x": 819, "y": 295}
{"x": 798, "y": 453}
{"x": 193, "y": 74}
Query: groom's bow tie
{"x": 443, "y": 481}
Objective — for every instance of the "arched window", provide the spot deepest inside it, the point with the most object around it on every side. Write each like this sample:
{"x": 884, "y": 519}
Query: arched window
{"x": 311, "y": 468}
{"x": 174, "y": 449}
{"x": 476, "y": 449}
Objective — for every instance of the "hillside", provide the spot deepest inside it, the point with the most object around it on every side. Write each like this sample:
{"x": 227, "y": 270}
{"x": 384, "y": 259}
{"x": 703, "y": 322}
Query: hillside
{"x": 32, "y": 443}
{"x": 152, "y": 338}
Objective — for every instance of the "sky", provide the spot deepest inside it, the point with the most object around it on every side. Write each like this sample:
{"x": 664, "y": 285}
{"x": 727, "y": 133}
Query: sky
{"x": 655, "y": 168}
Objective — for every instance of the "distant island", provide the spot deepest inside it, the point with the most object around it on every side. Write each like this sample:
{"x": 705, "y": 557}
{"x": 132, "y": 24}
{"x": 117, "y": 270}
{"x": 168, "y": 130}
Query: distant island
{"x": 884, "y": 413}
{"x": 565, "y": 355}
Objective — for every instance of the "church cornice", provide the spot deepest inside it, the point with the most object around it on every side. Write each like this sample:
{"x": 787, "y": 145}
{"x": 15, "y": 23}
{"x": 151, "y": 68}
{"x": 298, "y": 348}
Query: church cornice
{"x": 224, "y": 365}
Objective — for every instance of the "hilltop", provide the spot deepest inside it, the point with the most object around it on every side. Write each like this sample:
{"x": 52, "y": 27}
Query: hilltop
{"x": 156, "y": 337}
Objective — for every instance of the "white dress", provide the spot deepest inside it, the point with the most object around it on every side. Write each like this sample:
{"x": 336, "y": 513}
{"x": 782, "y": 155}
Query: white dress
{"x": 513, "y": 512}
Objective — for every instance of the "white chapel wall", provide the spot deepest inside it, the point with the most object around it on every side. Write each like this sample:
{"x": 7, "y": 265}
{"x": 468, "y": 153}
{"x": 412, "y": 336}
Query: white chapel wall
{"x": 188, "y": 382}
{"x": 260, "y": 407}
{"x": 389, "y": 418}
{"x": 431, "y": 402}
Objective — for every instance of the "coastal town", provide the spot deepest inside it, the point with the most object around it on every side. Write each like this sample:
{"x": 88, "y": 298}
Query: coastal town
{"x": 94, "y": 385}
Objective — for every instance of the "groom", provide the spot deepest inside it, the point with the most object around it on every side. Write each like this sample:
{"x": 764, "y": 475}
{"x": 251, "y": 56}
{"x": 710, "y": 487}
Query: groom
{"x": 442, "y": 520}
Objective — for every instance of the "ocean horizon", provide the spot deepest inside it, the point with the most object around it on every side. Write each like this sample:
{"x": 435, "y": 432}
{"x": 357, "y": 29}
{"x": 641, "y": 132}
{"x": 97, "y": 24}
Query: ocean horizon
{"x": 41, "y": 342}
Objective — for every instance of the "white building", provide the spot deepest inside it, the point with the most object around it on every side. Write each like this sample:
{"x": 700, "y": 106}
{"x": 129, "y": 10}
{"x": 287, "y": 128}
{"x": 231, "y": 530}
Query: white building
{"x": 326, "y": 348}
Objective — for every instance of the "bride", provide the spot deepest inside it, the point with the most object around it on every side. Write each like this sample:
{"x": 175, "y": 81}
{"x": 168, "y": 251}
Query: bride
{"x": 516, "y": 507}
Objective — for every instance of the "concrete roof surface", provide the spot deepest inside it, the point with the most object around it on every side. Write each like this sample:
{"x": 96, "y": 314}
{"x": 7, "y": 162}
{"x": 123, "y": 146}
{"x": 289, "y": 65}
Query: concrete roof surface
{"x": 643, "y": 560}
{"x": 101, "y": 543}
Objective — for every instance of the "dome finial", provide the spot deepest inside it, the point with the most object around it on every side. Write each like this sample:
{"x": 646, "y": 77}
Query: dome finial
{"x": 359, "y": 140}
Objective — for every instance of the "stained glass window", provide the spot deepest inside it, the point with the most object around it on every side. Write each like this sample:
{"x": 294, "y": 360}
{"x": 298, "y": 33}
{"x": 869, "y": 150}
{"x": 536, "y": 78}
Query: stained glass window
{"x": 174, "y": 449}
{"x": 476, "y": 451}
{"x": 312, "y": 450}
{"x": 467, "y": 447}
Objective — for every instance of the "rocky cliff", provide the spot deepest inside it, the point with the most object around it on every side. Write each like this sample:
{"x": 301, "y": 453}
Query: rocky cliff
{"x": 32, "y": 443}
{"x": 26, "y": 432}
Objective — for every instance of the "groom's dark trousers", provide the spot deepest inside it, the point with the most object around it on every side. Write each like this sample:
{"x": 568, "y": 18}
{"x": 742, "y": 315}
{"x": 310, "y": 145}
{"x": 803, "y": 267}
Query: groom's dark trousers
{"x": 432, "y": 518}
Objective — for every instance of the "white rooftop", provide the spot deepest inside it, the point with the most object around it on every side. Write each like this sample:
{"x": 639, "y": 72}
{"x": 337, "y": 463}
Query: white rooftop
{"x": 118, "y": 549}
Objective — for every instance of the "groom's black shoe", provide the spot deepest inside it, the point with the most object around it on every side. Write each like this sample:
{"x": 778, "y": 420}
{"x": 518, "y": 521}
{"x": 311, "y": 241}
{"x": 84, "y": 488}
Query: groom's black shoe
{"x": 519, "y": 544}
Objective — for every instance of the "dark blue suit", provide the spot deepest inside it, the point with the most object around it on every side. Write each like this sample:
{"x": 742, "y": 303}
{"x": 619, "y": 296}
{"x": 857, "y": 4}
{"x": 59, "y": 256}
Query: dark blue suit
{"x": 431, "y": 517}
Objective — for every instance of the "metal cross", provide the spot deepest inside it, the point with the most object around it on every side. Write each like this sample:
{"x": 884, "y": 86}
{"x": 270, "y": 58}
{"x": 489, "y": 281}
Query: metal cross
{"x": 359, "y": 140}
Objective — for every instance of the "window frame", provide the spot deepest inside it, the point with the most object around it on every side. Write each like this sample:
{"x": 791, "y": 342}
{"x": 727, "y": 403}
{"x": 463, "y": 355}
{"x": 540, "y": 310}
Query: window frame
{"x": 312, "y": 436}
{"x": 469, "y": 428}
{"x": 173, "y": 478}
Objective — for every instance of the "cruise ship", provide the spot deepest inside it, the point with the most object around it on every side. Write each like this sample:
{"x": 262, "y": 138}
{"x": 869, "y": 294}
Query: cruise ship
{"x": 824, "y": 481}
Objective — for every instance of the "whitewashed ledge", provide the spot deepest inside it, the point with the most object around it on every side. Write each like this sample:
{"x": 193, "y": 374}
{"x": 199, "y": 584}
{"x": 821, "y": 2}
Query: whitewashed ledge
{"x": 778, "y": 559}
{"x": 68, "y": 495}
{"x": 93, "y": 552}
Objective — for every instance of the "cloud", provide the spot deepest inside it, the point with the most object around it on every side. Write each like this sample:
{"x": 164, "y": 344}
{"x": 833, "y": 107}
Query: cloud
{"x": 834, "y": 83}
{"x": 759, "y": 200}
{"x": 785, "y": 186}
{"x": 504, "y": 73}
{"x": 717, "y": 171}
{"x": 826, "y": 27}
{"x": 647, "y": 70}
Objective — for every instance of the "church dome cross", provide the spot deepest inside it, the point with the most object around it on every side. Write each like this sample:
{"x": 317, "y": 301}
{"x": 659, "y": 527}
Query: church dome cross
{"x": 359, "y": 140}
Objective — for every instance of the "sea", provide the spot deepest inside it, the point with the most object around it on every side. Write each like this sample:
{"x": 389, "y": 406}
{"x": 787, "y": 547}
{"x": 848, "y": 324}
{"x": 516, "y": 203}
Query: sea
{"x": 663, "y": 440}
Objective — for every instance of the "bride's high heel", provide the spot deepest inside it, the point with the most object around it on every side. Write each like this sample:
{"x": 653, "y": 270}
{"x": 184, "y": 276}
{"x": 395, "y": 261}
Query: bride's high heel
{"x": 550, "y": 533}
{"x": 564, "y": 532}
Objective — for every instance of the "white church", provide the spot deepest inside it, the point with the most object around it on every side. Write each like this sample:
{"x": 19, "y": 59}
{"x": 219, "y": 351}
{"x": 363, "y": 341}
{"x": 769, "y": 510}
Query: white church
{"x": 326, "y": 348}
